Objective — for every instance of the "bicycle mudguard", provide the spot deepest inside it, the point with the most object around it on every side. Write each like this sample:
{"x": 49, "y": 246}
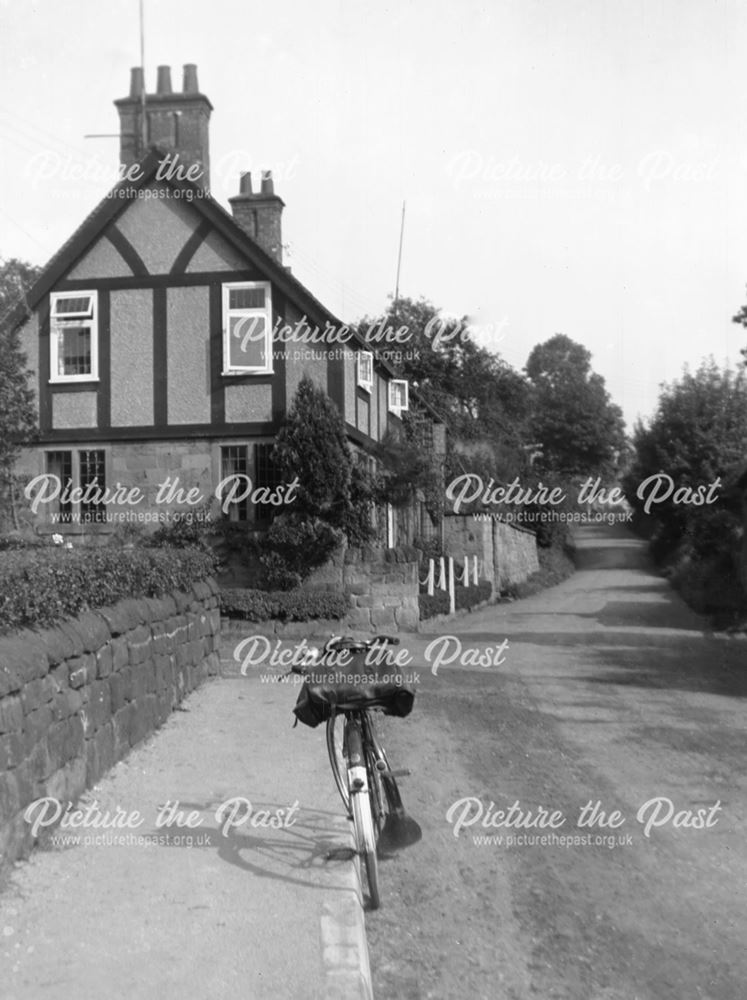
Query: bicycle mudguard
{"x": 353, "y": 682}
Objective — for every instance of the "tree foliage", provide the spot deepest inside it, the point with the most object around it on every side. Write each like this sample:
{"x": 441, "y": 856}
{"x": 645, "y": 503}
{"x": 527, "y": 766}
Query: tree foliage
{"x": 480, "y": 396}
{"x": 312, "y": 447}
{"x": 741, "y": 318}
{"x": 697, "y": 434}
{"x": 333, "y": 494}
{"x": 579, "y": 428}
{"x": 17, "y": 408}
{"x": 409, "y": 472}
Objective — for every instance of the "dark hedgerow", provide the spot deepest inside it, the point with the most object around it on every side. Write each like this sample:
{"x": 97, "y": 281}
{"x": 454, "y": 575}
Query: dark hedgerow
{"x": 40, "y": 587}
{"x": 464, "y": 598}
{"x": 286, "y": 605}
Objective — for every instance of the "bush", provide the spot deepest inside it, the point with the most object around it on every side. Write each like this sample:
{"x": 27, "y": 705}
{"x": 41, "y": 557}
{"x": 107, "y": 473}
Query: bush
{"x": 14, "y": 541}
{"x": 429, "y": 548}
{"x": 190, "y": 530}
{"x": 293, "y": 547}
{"x": 40, "y": 587}
{"x": 464, "y": 599}
{"x": 556, "y": 564}
{"x": 291, "y": 606}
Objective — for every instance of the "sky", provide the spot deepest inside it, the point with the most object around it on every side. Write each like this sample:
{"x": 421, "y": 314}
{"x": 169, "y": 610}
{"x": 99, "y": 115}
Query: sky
{"x": 567, "y": 166}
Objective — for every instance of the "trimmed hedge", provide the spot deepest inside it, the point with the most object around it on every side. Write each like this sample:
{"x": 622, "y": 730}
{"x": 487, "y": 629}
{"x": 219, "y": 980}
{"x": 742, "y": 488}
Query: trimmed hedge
{"x": 285, "y": 605}
{"x": 464, "y": 598}
{"x": 15, "y": 542}
{"x": 40, "y": 587}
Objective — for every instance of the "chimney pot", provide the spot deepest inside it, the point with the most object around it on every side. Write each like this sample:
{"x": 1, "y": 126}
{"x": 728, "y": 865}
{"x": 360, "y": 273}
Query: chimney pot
{"x": 164, "y": 80}
{"x": 137, "y": 81}
{"x": 268, "y": 186}
{"x": 190, "y": 85}
{"x": 245, "y": 183}
{"x": 174, "y": 121}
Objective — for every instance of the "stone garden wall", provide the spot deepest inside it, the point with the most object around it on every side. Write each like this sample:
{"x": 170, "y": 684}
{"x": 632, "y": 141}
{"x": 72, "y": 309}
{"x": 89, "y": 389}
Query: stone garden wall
{"x": 507, "y": 552}
{"x": 381, "y": 586}
{"x": 74, "y": 699}
{"x": 514, "y": 554}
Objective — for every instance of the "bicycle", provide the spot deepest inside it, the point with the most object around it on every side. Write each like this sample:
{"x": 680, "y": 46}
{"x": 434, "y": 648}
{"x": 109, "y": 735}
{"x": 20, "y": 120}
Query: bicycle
{"x": 360, "y": 767}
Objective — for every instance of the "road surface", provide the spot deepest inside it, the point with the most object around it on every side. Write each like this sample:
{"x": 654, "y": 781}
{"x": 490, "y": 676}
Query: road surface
{"x": 612, "y": 697}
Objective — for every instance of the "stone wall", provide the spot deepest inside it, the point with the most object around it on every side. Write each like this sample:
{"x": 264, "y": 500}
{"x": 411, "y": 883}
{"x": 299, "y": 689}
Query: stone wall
{"x": 75, "y": 698}
{"x": 465, "y": 537}
{"x": 147, "y": 465}
{"x": 514, "y": 554}
{"x": 507, "y": 552}
{"x": 382, "y": 586}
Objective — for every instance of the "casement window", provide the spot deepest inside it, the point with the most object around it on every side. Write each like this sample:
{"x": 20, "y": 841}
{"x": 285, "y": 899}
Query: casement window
{"x": 247, "y": 328}
{"x": 74, "y": 347}
{"x": 81, "y": 477}
{"x": 233, "y": 462}
{"x": 365, "y": 370}
{"x": 263, "y": 473}
{"x": 399, "y": 395}
{"x": 391, "y": 527}
{"x": 266, "y": 473}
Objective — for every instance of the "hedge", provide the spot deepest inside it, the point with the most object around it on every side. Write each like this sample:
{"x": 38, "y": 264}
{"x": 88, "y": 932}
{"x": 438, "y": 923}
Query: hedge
{"x": 464, "y": 598}
{"x": 40, "y": 587}
{"x": 285, "y": 605}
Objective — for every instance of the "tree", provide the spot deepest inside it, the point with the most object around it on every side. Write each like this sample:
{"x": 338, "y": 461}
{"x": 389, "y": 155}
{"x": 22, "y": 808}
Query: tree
{"x": 741, "y": 318}
{"x": 697, "y": 435}
{"x": 312, "y": 447}
{"x": 480, "y": 397}
{"x": 17, "y": 410}
{"x": 580, "y": 430}
{"x": 332, "y": 497}
{"x": 409, "y": 471}
{"x": 16, "y": 278}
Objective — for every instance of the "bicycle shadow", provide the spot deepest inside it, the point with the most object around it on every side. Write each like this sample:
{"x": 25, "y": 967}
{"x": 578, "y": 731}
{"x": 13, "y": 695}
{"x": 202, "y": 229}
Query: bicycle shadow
{"x": 280, "y": 853}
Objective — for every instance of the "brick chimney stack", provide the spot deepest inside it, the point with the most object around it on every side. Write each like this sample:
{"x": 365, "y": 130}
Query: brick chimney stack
{"x": 259, "y": 214}
{"x": 175, "y": 121}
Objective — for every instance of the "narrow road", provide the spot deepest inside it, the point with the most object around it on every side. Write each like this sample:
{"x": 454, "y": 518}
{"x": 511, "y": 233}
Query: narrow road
{"x": 613, "y": 695}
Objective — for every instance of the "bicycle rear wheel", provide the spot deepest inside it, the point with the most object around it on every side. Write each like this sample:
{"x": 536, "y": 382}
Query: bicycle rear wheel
{"x": 335, "y": 750}
{"x": 365, "y": 833}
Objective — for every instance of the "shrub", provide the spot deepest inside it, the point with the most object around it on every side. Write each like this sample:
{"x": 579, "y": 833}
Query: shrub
{"x": 556, "y": 564}
{"x": 464, "y": 599}
{"x": 13, "y": 542}
{"x": 40, "y": 587}
{"x": 429, "y": 548}
{"x": 251, "y": 605}
{"x": 312, "y": 448}
{"x": 710, "y": 585}
{"x": 294, "y": 546}
{"x": 292, "y": 605}
{"x": 190, "y": 530}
